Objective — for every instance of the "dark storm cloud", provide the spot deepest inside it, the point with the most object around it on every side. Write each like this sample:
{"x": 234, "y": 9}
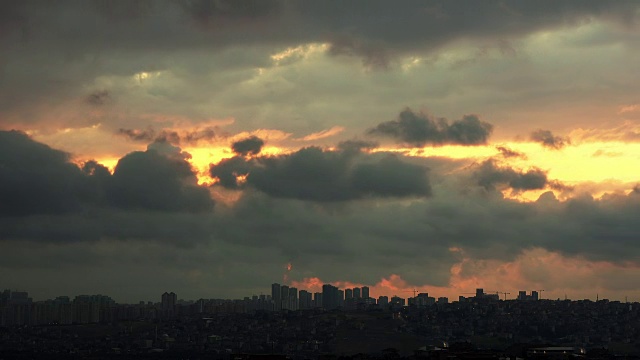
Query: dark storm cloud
{"x": 35, "y": 179}
{"x": 418, "y": 129}
{"x": 170, "y": 136}
{"x": 376, "y": 30}
{"x": 193, "y": 137}
{"x": 283, "y": 221}
{"x": 228, "y": 170}
{"x": 249, "y": 146}
{"x": 157, "y": 181}
{"x": 98, "y": 98}
{"x": 322, "y": 175}
{"x": 547, "y": 139}
{"x": 509, "y": 153}
{"x": 489, "y": 175}
{"x": 138, "y": 135}
{"x": 391, "y": 176}
{"x": 150, "y": 135}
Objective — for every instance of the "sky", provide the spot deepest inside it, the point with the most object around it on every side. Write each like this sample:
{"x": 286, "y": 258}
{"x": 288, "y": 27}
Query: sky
{"x": 213, "y": 147}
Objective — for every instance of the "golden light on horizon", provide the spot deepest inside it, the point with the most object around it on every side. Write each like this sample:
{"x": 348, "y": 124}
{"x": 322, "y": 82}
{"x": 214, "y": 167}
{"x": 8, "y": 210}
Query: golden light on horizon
{"x": 588, "y": 161}
{"x": 596, "y": 167}
{"x": 203, "y": 157}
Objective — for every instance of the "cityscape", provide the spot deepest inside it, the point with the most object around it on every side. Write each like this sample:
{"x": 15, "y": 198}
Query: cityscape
{"x": 298, "y": 324}
{"x": 18, "y": 309}
{"x": 320, "y": 179}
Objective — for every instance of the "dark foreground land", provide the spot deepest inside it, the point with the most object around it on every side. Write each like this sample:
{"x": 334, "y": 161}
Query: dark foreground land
{"x": 462, "y": 330}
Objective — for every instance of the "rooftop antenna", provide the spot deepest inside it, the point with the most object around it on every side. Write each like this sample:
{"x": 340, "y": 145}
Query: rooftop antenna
{"x": 415, "y": 291}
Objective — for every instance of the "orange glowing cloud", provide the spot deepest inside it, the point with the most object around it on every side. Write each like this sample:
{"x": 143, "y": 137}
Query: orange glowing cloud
{"x": 534, "y": 269}
{"x": 323, "y": 134}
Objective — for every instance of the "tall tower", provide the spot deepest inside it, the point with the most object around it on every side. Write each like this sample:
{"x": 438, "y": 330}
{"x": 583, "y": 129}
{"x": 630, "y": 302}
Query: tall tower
{"x": 168, "y": 303}
{"x": 276, "y": 296}
{"x": 330, "y": 297}
{"x": 356, "y": 293}
{"x": 284, "y": 297}
{"x": 348, "y": 294}
{"x": 365, "y": 292}
{"x": 293, "y": 298}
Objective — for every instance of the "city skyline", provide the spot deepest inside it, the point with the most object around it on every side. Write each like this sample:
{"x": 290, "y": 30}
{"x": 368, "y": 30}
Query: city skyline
{"x": 96, "y": 325}
{"x": 169, "y": 299}
{"x": 212, "y": 147}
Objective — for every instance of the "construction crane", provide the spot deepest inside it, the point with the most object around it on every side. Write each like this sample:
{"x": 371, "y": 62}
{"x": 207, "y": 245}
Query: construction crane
{"x": 540, "y": 293}
{"x": 503, "y": 293}
{"x": 414, "y": 291}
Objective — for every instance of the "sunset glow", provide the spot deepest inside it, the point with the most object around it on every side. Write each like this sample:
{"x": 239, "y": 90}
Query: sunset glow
{"x": 213, "y": 148}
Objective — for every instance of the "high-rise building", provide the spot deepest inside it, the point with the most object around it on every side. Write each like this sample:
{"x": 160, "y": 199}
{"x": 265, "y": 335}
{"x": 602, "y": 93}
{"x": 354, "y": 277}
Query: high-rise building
{"x": 276, "y": 295}
{"x": 356, "y": 293}
{"x": 479, "y": 293}
{"x": 383, "y": 301}
{"x": 19, "y": 297}
{"x": 317, "y": 300}
{"x": 443, "y": 300}
{"x": 304, "y": 300}
{"x": 293, "y": 299}
{"x": 330, "y": 297}
{"x": 397, "y": 301}
{"x": 423, "y": 299}
{"x": 284, "y": 296}
{"x": 168, "y": 301}
{"x": 5, "y": 296}
{"x": 348, "y": 294}
{"x": 522, "y": 295}
{"x": 86, "y": 308}
{"x": 365, "y": 292}
{"x": 534, "y": 295}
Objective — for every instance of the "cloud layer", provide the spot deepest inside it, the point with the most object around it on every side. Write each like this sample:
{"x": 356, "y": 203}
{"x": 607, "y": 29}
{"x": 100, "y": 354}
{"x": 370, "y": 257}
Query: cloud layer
{"x": 367, "y": 215}
{"x": 321, "y": 175}
{"x": 419, "y": 129}
{"x": 288, "y": 111}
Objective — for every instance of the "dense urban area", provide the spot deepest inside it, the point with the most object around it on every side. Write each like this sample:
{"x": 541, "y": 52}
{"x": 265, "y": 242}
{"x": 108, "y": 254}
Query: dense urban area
{"x": 323, "y": 325}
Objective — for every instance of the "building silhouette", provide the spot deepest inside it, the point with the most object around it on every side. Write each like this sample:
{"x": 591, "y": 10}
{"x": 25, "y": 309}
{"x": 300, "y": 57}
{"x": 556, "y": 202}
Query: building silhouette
{"x": 168, "y": 303}
{"x": 365, "y": 292}
{"x": 276, "y": 295}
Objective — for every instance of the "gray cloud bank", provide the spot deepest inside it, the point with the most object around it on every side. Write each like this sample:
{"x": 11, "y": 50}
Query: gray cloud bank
{"x": 249, "y": 146}
{"x": 37, "y": 179}
{"x": 170, "y": 136}
{"x": 547, "y": 139}
{"x": 490, "y": 176}
{"x": 418, "y": 129}
{"x": 363, "y": 28}
{"x": 121, "y": 39}
{"x": 321, "y": 175}
{"x": 338, "y": 215}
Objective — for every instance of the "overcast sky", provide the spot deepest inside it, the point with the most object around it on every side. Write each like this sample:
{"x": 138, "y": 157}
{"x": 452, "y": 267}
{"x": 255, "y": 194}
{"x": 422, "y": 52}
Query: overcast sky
{"x": 213, "y": 147}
